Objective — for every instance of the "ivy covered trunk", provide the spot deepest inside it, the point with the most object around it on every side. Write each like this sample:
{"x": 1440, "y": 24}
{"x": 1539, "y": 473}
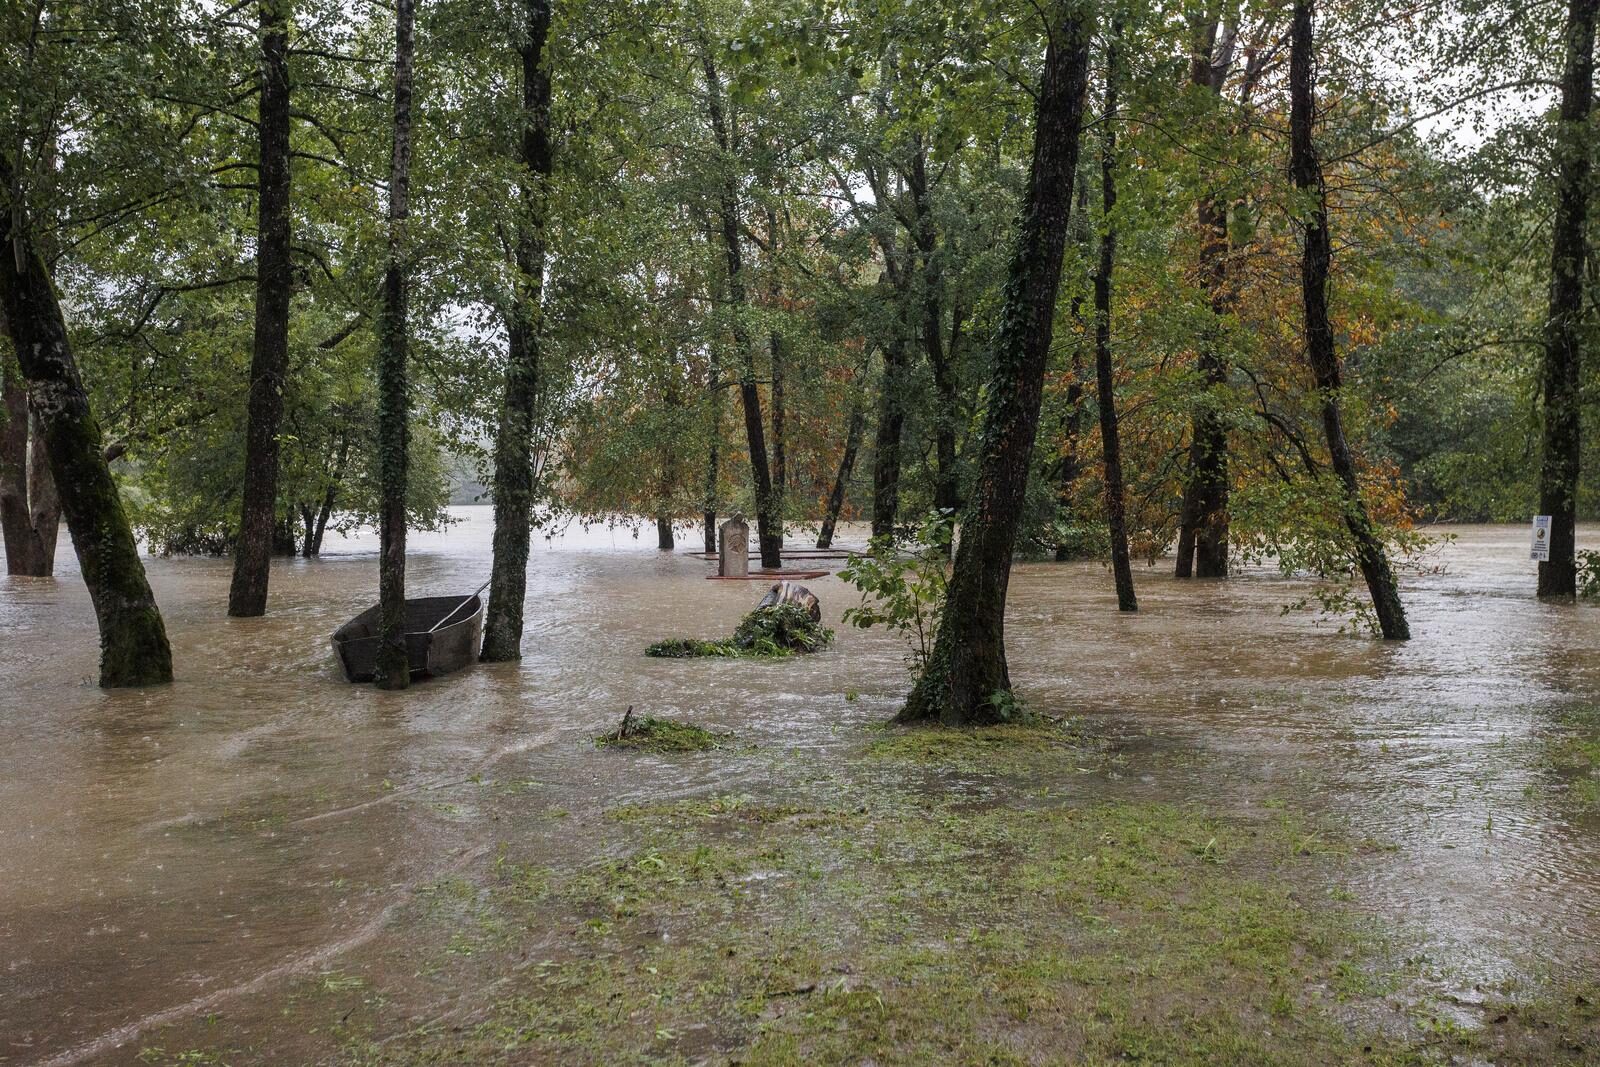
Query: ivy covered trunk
{"x": 1306, "y": 170}
{"x": 886, "y": 445}
{"x": 769, "y": 520}
{"x": 1563, "y": 329}
{"x": 1203, "y": 527}
{"x": 841, "y": 481}
{"x": 133, "y": 640}
{"x": 1203, "y": 524}
{"x": 269, "y": 361}
{"x": 30, "y": 511}
{"x": 394, "y": 402}
{"x": 513, "y": 452}
{"x": 1110, "y": 436}
{"x": 965, "y": 680}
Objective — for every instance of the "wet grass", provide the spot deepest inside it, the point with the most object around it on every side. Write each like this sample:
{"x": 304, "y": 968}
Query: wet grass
{"x": 1575, "y": 757}
{"x": 651, "y": 734}
{"x": 1011, "y": 748}
{"x": 853, "y": 916}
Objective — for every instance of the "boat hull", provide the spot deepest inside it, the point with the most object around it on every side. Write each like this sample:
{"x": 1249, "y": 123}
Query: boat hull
{"x": 431, "y": 652}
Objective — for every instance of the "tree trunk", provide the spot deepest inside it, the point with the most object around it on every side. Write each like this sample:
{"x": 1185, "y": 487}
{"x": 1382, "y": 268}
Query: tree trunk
{"x": 946, "y": 488}
{"x": 664, "y": 541}
{"x": 780, "y": 449}
{"x": 841, "y": 482}
{"x": 1203, "y": 525}
{"x": 886, "y": 446}
{"x": 269, "y": 361}
{"x": 709, "y": 526}
{"x": 513, "y": 454}
{"x": 714, "y": 437}
{"x": 44, "y": 503}
{"x": 1110, "y": 437}
{"x": 283, "y": 543}
{"x": 394, "y": 402}
{"x": 312, "y": 547}
{"x": 1563, "y": 331}
{"x": 133, "y": 640}
{"x": 769, "y": 523}
{"x": 30, "y": 512}
{"x": 780, "y": 440}
{"x": 965, "y": 680}
{"x": 1306, "y": 170}
{"x": 1070, "y": 465}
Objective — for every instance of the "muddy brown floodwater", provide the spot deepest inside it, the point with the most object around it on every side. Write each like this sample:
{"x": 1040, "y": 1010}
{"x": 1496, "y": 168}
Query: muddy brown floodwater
{"x": 165, "y": 852}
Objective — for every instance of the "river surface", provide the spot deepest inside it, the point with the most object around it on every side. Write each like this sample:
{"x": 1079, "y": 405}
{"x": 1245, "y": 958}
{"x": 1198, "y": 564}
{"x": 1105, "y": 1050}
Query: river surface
{"x": 165, "y": 851}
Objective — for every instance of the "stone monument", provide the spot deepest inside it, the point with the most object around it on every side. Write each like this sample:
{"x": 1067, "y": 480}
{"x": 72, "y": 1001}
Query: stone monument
{"x": 733, "y": 548}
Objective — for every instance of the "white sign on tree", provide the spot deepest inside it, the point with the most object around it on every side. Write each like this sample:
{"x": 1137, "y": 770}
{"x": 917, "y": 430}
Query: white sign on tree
{"x": 1541, "y": 538}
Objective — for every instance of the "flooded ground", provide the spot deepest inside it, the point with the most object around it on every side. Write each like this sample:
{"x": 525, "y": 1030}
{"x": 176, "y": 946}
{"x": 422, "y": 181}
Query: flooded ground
{"x": 171, "y": 858}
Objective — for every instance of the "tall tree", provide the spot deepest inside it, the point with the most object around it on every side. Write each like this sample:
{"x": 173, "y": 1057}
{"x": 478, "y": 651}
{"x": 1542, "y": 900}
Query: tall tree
{"x": 394, "y": 400}
{"x": 965, "y": 679}
{"x": 1110, "y": 439}
{"x": 30, "y": 511}
{"x": 1563, "y": 328}
{"x": 514, "y": 461}
{"x": 779, "y": 358}
{"x": 1316, "y": 261}
{"x": 133, "y": 640}
{"x": 1203, "y": 525}
{"x": 941, "y": 360}
{"x": 769, "y": 521}
{"x": 269, "y": 362}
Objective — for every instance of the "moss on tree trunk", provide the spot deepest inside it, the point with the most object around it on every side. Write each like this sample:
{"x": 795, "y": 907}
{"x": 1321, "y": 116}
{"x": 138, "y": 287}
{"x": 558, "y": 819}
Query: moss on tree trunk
{"x": 133, "y": 641}
{"x": 394, "y": 406}
{"x": 965, "y": 680}
{"x": 513, "y": 451}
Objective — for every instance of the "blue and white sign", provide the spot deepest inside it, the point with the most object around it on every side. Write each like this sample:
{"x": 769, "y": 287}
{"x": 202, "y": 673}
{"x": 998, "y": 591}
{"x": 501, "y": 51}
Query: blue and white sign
{"x": 1541, "y": 538}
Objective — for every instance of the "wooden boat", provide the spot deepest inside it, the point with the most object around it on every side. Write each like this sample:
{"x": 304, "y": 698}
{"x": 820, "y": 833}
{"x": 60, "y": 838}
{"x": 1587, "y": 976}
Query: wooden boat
{"x": 442, "y": 635}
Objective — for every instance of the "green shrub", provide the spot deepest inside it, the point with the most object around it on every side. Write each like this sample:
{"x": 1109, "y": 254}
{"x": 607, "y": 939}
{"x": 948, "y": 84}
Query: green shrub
{"x": 771, "y": 632}
{"x": 904, "y": 591}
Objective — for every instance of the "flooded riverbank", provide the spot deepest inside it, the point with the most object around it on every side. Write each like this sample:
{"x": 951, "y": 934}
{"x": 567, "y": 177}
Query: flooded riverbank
{"x": 194, "y": 851}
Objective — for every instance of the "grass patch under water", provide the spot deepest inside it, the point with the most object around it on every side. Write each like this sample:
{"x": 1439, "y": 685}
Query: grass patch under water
{"x": 851, "y": 915}
{"x": 771, "y": 632}
{"x": 650, "y": 734}
{"x": 1575, "y": 756}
